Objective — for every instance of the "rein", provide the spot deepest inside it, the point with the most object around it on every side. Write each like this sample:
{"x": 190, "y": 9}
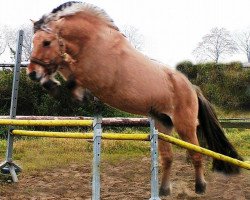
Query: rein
{"x": 40, "y": 62}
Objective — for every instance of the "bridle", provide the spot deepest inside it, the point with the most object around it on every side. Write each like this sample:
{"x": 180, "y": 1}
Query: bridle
{"x": 51, "y": 66}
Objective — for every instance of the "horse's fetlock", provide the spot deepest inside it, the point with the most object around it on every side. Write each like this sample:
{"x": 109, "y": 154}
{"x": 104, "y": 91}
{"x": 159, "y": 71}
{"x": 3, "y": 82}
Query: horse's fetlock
{"x": 164, "y": 191}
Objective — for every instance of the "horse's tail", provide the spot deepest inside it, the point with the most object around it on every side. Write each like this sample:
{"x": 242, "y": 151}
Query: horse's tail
{"x": 215, "y": 136}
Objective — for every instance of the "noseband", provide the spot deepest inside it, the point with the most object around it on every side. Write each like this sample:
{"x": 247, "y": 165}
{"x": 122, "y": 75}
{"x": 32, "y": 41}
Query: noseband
{"x": 48, "y": 65}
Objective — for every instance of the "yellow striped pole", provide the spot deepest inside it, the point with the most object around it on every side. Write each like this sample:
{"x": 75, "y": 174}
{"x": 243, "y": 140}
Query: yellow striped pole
{"x": 16, "y": 122}
{"x": 142, "y": 137}
{"x": 204, "y": 151}
{"x": 74, "y": 135}
{"x": 77, "y": 135}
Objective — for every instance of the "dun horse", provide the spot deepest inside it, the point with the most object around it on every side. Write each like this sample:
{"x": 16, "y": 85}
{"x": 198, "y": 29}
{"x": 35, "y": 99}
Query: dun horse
{"x": 82, "y": 43}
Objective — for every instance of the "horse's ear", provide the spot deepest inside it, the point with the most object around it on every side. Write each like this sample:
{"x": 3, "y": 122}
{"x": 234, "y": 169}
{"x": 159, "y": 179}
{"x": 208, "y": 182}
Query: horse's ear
{"x": 33, "y": 21}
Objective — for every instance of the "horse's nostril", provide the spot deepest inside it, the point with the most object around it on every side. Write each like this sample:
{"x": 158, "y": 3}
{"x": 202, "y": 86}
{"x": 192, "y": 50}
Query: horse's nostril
{"x": 33, "y": 77}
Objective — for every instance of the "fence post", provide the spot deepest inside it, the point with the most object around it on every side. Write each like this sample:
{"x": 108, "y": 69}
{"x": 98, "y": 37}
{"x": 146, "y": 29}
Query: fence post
{"x": 8, "y": 165}
{"x": 154, "y": 161}
{"x": 96, "y": 185}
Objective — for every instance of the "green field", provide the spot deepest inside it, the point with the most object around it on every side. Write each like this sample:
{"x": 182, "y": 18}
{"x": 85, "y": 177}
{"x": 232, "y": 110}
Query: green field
{"x": 40, "y": 153}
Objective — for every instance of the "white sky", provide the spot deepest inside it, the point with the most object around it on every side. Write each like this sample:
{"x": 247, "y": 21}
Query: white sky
{"x": 171, "y": 28}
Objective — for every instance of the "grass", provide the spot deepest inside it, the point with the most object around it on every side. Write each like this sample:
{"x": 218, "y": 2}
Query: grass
{"x": 222, "y": 113}
{"x": 38, "y": 154}
{"x": 45, "y": 153}
{"x": 240, "y": 138}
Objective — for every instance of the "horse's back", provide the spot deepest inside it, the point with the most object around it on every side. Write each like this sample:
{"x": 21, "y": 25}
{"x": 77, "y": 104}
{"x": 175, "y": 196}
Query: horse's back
{"x": 148, "y": 85}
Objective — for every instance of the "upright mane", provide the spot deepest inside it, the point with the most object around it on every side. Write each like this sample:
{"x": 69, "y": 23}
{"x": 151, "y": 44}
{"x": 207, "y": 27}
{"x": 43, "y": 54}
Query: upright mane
{"x": 71, "y": 8}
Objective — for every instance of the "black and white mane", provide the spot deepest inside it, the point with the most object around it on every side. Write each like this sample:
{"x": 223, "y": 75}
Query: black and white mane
{"x": 71, "y": 8}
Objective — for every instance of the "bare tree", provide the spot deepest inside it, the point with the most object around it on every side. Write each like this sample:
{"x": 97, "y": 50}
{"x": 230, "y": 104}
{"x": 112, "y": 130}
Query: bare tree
{"x": 215, "y": 45}
{"x": 11, "y": 38}
{"x": 27, "y": 41}
{"x": 243, "y": 43}
{"x": 3, "y": 43}
{"x": 134, "y": 36}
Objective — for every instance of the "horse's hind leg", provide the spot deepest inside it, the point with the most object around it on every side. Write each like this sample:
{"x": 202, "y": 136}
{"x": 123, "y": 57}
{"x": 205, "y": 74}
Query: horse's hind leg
{"x": 166, "y": 155}
{"x": 186, "y": 128}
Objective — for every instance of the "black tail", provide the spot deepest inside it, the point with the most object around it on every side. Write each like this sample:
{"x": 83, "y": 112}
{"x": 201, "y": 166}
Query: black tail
{"x": 215, "y": 136}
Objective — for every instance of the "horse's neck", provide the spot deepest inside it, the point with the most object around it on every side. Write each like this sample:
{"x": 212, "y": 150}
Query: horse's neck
{"x": 100, "y": 50}
{"x": 101, "y": 55}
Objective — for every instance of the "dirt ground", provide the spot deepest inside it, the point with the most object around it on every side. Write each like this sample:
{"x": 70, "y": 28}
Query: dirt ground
{"x": 128, "y": 180}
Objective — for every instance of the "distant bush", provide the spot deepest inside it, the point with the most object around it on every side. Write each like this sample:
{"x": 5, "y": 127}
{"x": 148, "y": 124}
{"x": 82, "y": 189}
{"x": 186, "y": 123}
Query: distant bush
{"x": 226, "y": 85}
{"x": 188, "y": 69}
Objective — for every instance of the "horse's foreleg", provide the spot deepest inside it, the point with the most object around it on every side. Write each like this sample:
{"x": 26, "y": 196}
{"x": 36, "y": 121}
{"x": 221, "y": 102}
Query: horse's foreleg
{"x": 166, "y": 154}
{"x": 188, "y": 134}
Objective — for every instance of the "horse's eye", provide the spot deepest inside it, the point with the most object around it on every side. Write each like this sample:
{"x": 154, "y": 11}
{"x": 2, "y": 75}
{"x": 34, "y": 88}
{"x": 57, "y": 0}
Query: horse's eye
{"x": 46, "y": 43}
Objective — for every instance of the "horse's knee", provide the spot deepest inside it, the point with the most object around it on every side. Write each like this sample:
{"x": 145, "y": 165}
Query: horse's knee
{"x": 167, "y": 161}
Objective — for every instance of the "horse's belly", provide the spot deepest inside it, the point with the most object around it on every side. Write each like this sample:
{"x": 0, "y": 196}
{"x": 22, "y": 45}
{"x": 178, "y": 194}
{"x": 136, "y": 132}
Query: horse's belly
{"x": 130, "y": 106}
{"x": 138, "y": 103}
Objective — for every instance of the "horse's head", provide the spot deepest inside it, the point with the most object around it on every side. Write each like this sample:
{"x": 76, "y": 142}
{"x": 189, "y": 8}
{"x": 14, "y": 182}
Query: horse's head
{"x": 47, "y": 56}
{"x": 68, "y": 38}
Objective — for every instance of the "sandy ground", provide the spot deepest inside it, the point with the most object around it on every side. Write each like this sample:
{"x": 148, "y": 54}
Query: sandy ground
{"x": 128, "y": 180}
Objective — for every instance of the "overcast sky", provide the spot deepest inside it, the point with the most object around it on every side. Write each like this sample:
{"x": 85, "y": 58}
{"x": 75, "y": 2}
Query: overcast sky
{"x": 171, "y": 28}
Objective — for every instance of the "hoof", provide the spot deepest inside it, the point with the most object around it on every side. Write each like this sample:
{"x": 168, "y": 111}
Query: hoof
{"x": 200, "y": 188}
{"x": 50, "y": 85}
{"x": 164, "y": 192}
{"x": 71, "y": 83}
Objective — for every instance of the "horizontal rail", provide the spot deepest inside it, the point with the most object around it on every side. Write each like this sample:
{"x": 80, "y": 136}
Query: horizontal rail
{"x": 204, "y": 151}
{"x": 77, "y": 135}
{"x": 41, "y": 117}
{"x": 16, "y": 122}
{"x": 235, "y": 124}
{"x": 142, "y": 137}
{"x": 130, "y": 122}
{"x": 11, "y": 65}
